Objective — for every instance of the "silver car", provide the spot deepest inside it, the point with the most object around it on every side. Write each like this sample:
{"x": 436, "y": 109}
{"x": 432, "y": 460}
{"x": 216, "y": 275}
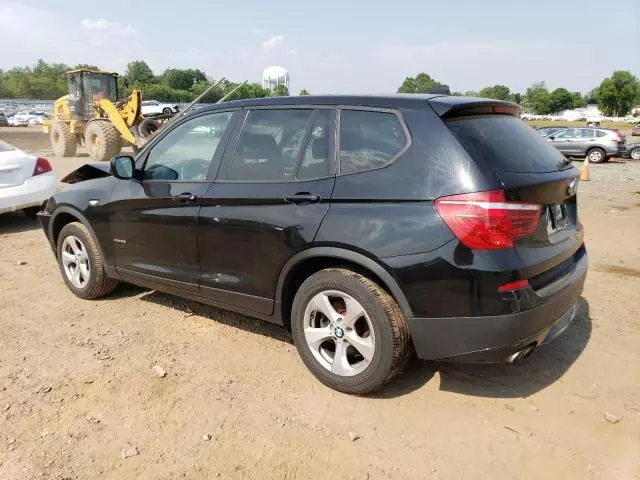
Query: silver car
{"x": 599, "y": 144}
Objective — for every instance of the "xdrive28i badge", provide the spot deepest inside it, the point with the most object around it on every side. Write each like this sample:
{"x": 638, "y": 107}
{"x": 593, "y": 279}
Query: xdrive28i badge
{"x": 573, "y": 187}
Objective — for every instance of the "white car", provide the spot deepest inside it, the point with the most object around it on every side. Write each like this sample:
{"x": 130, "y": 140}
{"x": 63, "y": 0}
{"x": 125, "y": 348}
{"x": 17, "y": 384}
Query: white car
{"x": 25, "y": 181}
{"x": 17, "y": 121}
{"x": 151, "y": 108}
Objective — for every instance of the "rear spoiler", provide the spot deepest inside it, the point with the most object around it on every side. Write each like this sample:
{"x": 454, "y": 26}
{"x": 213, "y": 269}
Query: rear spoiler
{"x": 451, "y": 106}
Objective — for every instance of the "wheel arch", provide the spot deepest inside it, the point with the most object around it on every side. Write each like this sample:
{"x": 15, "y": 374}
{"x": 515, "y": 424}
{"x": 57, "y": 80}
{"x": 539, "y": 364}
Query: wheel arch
{"x": 305, "y": 263}
{"x": 63, "y": 216}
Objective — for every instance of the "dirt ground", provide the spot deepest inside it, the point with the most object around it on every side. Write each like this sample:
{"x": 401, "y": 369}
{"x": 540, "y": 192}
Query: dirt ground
{"x": 77, "y": 384}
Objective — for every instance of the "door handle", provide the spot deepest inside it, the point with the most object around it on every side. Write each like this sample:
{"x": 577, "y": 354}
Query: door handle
{"x": 185, "y": 197}
{"x": 303, "y": 197}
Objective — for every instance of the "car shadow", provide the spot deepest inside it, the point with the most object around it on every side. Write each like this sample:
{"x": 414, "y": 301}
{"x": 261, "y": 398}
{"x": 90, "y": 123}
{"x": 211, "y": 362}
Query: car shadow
{"x": 17, "y": 222}
{"x": 546, "y": 365}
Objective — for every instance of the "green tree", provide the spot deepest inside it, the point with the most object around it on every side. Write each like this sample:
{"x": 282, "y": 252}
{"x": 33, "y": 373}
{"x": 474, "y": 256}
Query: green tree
{"x": 498, "y": 92}
{"x": 515, "y": 98}
{"x": 183, "y": 79}
{"x": 418, "y": 84}
{"x": 578, "y": 100}
{"x": 617, "y": 94}
{"x": 85, "y": 66}
{"x": 537, "y": 99}
{"x": 281, "y": 90}
{"x": 471, "y": 93}
{"x": 138, "y": 73}
{"x": 560, "y": 99}
{"x": 304, "y": 92}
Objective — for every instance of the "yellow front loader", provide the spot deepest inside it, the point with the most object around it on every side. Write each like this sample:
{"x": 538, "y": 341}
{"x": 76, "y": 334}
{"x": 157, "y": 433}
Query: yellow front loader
{"x": 91, "y": 115}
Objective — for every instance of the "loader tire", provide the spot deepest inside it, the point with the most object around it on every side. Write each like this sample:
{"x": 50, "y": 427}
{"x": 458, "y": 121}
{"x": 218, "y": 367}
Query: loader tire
{"x": 148, "y": 127}
{"x": 63, "y": 141}
{"x": 102, "y": 140}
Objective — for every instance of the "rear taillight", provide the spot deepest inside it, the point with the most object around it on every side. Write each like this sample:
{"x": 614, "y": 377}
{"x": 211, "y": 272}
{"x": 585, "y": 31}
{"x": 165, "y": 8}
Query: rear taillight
{"x": 513, "y": 286}
{"x": 486, "y": 221}
{"x": 42, "y": 166}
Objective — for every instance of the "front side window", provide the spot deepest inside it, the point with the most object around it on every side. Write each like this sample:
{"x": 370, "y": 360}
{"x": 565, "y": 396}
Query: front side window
{"x": 369, "y": 139}
{"x": 187, "y": 152}
{"x": 270, "y": 145}
{"x": 570, "y": 133}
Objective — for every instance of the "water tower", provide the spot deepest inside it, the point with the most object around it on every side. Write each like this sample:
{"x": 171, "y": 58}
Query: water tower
{"x": 274, "y": 76}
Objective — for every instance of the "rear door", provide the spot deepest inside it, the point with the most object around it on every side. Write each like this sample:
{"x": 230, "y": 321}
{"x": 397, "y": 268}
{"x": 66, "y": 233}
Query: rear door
{"x": 584, "y": 140}
{"x": 272, "y": 193}
{"x": 531, "y": 170}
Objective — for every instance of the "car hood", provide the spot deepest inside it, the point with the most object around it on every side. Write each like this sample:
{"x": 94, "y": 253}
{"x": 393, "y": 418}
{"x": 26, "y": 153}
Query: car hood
{"x": 88, "y": 171}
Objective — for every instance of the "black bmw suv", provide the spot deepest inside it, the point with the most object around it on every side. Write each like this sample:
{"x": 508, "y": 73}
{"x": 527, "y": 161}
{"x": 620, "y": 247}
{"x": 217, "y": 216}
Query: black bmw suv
{"x": 368, "y": 226}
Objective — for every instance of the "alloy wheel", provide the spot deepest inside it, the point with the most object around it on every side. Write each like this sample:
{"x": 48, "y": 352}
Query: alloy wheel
{"x": 635, "y": 154}
{"x": 339, "y": 333}
{"x": 75, "y": 261}
{"x": 595, "y": 156}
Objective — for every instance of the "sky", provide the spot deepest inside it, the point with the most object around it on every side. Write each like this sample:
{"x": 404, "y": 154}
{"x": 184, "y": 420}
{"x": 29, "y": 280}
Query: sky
{"x": 337, "y": 46}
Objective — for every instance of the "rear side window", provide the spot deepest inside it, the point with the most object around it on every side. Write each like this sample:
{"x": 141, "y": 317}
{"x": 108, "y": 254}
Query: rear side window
{"x": 585, "y": 133}
{"x": 505, "y": 144}
{"x": 601, "y": 133}
{"x": 369, "y": 139}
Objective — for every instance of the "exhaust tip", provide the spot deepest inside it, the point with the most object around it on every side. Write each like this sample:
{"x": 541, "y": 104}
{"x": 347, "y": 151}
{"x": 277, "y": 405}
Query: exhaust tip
{"x": 519, "y": 355}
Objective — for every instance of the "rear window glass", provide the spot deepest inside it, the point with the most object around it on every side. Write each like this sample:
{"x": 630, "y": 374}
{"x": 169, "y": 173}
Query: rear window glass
{"x": 506, "y": 144}
{"x": 601, "y": 133}
{"x": 5, "y": 147}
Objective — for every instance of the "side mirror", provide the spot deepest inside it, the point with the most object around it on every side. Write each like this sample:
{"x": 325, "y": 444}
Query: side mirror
{"x": 552, "y": 138}
{"x": 122, "y": 167}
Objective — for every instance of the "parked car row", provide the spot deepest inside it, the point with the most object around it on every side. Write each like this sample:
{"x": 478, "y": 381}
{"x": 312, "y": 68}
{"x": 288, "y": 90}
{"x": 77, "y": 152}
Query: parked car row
{"x": 22, "y": 119}
{"x": 599, "y": 144}
{"x": 153, "y": 108}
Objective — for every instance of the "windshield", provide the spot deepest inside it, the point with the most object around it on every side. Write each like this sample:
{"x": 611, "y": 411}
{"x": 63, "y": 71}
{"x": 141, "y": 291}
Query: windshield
{"x": 99, "y": 86}
{"x": 506, "y": 144}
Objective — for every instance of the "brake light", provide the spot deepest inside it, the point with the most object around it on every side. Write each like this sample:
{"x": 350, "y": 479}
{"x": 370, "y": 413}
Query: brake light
{"x": 42, "y": 166}
{"x": 486, "y": 221}
{"x": 512, "y": 286}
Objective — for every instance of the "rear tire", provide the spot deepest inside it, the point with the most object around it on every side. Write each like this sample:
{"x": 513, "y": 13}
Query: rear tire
{"x": 148, "y": 127}
{"x": 634, "y": 154}
{"x": 372, "y": 349}
{"x": 167, "y": 111}
{"x": 92, "y": 281}
{"x": 63, "y": 141}
{"x": 102, "y": 140}
{"x": 597, "y": 155}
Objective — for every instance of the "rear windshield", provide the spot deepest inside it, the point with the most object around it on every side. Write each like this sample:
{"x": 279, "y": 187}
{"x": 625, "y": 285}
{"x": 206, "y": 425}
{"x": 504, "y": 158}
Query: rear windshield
{"x": 506, "y": 144}
{"x": 5, "y": 147}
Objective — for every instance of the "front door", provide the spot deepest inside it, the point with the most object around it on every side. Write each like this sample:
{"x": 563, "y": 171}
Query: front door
{"x": 153, "y": 218}
{"x": 272, "y": 193}
{"x": 564, "y": 141}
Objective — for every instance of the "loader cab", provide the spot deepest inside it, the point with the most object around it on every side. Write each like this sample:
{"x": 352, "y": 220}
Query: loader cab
{"x": 86, "y": 87}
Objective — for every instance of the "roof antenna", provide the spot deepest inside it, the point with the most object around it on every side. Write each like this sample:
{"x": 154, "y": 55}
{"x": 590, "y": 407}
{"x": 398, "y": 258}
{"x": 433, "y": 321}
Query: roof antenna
{"x": 440, "y": 89}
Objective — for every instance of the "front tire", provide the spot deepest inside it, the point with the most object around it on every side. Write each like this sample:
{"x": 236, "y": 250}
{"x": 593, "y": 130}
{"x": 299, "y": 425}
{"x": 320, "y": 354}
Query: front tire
{"x": 81, "y": 262}
{"x": 63, "y": 140}
{"x": 102, "y": 140}
{"x": 597, "y": 155}
{"x": 350, "y": 333}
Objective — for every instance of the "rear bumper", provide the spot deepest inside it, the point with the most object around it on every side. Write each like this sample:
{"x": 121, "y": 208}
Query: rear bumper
{"x": 494, "y": 338}
{"x": 32, "y": 193}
